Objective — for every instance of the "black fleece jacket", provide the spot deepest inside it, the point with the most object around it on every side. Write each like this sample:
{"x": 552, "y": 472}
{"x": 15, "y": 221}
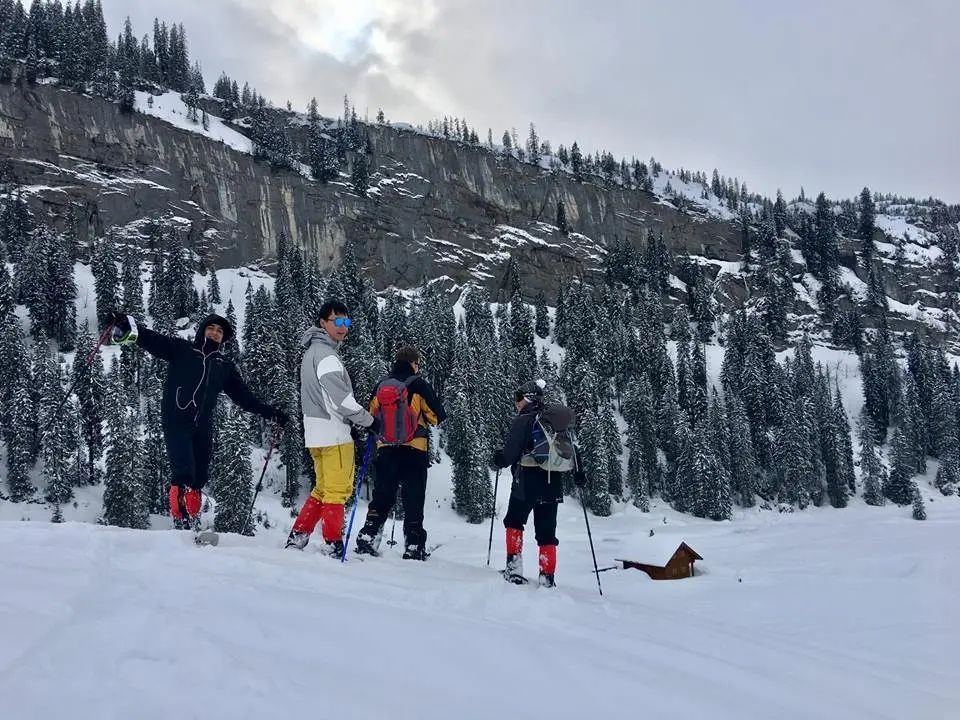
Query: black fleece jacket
{"x": 196, "y": 375}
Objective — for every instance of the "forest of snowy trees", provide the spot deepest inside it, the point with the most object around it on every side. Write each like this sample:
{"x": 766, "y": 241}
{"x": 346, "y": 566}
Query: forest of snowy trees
{"x": 770, "y": 432}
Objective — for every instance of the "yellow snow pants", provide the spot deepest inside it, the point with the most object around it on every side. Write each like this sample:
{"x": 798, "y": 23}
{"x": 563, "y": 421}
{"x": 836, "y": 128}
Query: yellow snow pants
{"x": 333, "y": 466}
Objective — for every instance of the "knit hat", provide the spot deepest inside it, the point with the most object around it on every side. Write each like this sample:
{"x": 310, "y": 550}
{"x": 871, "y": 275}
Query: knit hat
{"x": 531, "y": 391}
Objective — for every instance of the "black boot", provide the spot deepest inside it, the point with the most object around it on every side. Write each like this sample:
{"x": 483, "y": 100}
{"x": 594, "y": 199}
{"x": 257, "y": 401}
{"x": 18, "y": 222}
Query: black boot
{"x": 546, "y": 580}
{"x": 415, "y": 551}
{"x": 368, "y": 540}
{"x": 297, "y": 540}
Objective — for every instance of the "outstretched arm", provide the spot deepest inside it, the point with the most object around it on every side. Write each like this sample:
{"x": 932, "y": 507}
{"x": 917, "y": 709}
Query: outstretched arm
{"x": 241, "y": 394}
{"x": 127, "y": 332}
{"x": 330, "y": 375}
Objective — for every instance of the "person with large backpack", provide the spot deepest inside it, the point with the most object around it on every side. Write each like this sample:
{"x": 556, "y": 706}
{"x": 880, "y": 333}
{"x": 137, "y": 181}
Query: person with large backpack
{"x": 406, "y": 406}
{"x": 539, "y": 448}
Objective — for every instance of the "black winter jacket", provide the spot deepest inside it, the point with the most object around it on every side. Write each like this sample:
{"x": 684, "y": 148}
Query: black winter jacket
{"x": 531, "y": 485}
{"x": 196, "y": 375}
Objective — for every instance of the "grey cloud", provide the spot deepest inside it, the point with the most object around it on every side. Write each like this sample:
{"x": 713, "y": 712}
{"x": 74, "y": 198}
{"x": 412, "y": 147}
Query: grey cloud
{"x": 828, "y": 95}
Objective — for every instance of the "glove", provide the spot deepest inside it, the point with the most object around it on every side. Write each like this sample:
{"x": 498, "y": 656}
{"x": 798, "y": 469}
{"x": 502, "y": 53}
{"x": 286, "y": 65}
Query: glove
{"x": 278, "y": 416}
{"x": 375, "y": 427}
{"x": 579, "y": 479}
{"x": 118, "y": 320}
{"x": 123, "y": 330}
{"x": 498, "y": 460}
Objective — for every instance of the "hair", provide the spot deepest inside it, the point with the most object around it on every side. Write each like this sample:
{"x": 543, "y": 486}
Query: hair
{"x": 408, "y": 354}
{"x": 332, "y": 306}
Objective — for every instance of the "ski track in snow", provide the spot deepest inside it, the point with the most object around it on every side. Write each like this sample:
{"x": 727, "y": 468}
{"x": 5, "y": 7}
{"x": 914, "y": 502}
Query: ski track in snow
{"x": 840, "y": 614}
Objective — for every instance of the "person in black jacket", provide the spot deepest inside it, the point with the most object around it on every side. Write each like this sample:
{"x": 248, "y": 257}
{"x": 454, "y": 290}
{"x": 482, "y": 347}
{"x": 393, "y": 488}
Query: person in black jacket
{"x": 533, "y": 488}
{"x": 196, "y": 375}
{"x": 401, "y": 463}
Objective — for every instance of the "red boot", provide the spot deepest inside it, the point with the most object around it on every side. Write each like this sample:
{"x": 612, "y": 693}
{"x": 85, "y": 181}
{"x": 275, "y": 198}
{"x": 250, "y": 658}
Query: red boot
{"x": 305, "y": 524}
{"x": 548, "y": 564}
{"x": 176, "y": 510}
{"x": 332, "y": 529}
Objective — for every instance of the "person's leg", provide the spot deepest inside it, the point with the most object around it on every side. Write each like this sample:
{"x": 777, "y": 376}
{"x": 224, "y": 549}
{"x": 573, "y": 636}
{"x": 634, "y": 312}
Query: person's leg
{"x": 312, "y": 509}
{"x": 413, "y": 491}
{"x": 384, "y": 495}
{"x": 545, "y": 527}
{"x": 193, "y": 496}
{"x": 179, "y": 445}
{"x": 513, "y": 521}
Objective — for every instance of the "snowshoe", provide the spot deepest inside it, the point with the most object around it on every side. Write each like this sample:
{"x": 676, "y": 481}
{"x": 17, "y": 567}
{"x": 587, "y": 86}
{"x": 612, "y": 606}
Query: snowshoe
{"x": 207, "y": 537}
{"x": 415, "y": 552}
{"x": 367, "y": 543}
{"x": 332, "y": 549}
{"x": 546, "y": 580}
{"x": 297, "y": 540}
{"x": 514, "y": 578}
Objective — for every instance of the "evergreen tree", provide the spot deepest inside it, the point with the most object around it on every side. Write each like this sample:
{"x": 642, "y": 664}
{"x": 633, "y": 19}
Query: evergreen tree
{"x": 744, "y": 473}
{"x": 59, "y": 442}
{"x": 213, "y": 287}
{"x": 595, "y": 460}
{"x": 90, "y": 388}
{"x": 234, "y": 473}
{"x": 871, "y": 469}
{"x": 542, "y": 322}
{"x": 20, "y": 438}
{"x": 46, "y": 286}
{"x": 898, "y": 488}
{"x": 562, "y": 218}
{"x": 106, "y": 278}
{"x": 919, "y": 511}
{"x": 125, "y": 502}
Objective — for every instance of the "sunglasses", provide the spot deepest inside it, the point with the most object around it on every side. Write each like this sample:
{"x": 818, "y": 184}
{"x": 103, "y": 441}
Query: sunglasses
{"x": 343, "y": 322}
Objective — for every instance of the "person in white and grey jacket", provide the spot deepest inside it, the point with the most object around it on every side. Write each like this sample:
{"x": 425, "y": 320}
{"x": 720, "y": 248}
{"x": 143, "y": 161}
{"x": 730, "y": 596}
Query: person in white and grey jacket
{"x": 329, "y": 411}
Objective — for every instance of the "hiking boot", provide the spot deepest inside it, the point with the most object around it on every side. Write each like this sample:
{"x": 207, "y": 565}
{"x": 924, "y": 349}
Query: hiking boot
{"x": 297, "y": 540}
{"x": 546, "y": 580}
{"x": 415, "y": 552}
{"x": 368, "y": 540}
{"x": 513, "y": 572}
{"x": 333, "y": 549}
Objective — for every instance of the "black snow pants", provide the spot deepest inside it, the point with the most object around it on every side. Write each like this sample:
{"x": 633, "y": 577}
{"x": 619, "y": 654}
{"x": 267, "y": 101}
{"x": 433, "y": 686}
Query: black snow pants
{"x": 405, "y": 468}
{"x": 188, "y": 450}
{"x": 544, "y": 519}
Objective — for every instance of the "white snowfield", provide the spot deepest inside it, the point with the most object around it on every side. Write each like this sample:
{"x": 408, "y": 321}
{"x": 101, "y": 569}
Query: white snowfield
{"x": 821, "y": 614}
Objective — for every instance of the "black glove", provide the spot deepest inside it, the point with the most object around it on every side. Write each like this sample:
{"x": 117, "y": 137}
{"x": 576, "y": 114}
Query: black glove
{"x": 118, "y": 320}
{"x": 579, "y": 479}
{"x": 375, "y": 427}
{"x": 498, "y": 460}
{"x": 278, "y": 416}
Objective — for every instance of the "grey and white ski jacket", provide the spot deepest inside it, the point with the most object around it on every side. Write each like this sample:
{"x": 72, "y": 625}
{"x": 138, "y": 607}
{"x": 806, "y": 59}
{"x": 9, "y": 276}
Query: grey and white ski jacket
{"x": 326, "y": 393}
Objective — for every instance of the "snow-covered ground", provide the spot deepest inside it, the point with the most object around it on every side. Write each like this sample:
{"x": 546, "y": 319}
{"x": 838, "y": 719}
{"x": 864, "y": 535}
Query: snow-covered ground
{"x": 821, "y": 614}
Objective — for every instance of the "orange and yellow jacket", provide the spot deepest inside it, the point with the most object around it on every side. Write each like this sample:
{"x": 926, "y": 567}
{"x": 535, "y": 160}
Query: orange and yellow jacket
{"x": 421, "y": 398}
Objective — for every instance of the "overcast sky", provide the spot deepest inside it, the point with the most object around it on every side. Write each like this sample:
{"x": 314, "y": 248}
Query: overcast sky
{"x": 828, "y": 94}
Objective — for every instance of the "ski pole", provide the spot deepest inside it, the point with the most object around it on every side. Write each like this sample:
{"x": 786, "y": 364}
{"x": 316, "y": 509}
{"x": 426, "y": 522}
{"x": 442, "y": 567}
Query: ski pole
{"x": 363, "y": 474}
{"x": 80, "y": 373}
{"x": 393, "y": 526}
{"x": 273, "y": 443}
{"x": 590, "y": 538}
{"x": 493, "y": 513}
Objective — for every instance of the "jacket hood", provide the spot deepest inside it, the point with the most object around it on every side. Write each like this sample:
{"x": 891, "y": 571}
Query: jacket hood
{"x": 213, "y": 318}
{"x": 314, "y": 334}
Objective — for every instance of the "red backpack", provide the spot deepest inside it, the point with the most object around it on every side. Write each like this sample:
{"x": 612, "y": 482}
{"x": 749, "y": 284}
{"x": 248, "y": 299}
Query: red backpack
{"x": 398, "y": 421}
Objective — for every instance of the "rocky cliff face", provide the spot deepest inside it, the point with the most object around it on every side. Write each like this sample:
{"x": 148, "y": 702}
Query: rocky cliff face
{"x": 435, "y": 208}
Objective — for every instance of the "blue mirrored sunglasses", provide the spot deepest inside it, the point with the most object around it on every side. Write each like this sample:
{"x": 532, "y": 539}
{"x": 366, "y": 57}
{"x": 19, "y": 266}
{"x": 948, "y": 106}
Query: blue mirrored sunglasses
{"x": 343, "y": 322}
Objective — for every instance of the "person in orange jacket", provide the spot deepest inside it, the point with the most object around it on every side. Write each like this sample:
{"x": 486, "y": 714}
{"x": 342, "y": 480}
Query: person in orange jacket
{"x": 406, "y": 406}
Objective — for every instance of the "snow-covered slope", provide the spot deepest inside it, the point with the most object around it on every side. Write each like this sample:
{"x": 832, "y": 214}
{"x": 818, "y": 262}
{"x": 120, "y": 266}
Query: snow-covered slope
{"x": 825, "y": 614}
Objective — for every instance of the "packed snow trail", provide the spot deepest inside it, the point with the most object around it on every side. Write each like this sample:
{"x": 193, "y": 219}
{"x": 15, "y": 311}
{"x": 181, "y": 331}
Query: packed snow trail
{"x": 847, "y": 616}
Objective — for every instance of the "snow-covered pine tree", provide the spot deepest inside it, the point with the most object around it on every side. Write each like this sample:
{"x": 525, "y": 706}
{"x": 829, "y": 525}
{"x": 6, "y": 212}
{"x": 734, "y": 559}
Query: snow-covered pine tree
{"x": 542, "y": 320}
{"x": 106, "y": 277}
{"x": 213, "y": 287}
{"x": 157, "y": 464}
{"x": 394, "y": 326}
{"x": 234, "y": 476}
{"x": 919, "y": 510}
{"x": 596, "y": 465}
{"x": 90, "y": 389}
{"x": 871, "y": 469}
{"x": 898, "y": 488}
{"x": 523, "y": 347}
{"x": 744, "y": 473}
{"x": 45, "y": 284}
{"x": 19, "y": 437}
{"x": 841, "y": 426}
{"x": 125, "y": 501}
{"x": 132, "y": 362}
{"x": 59, "y": 443}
